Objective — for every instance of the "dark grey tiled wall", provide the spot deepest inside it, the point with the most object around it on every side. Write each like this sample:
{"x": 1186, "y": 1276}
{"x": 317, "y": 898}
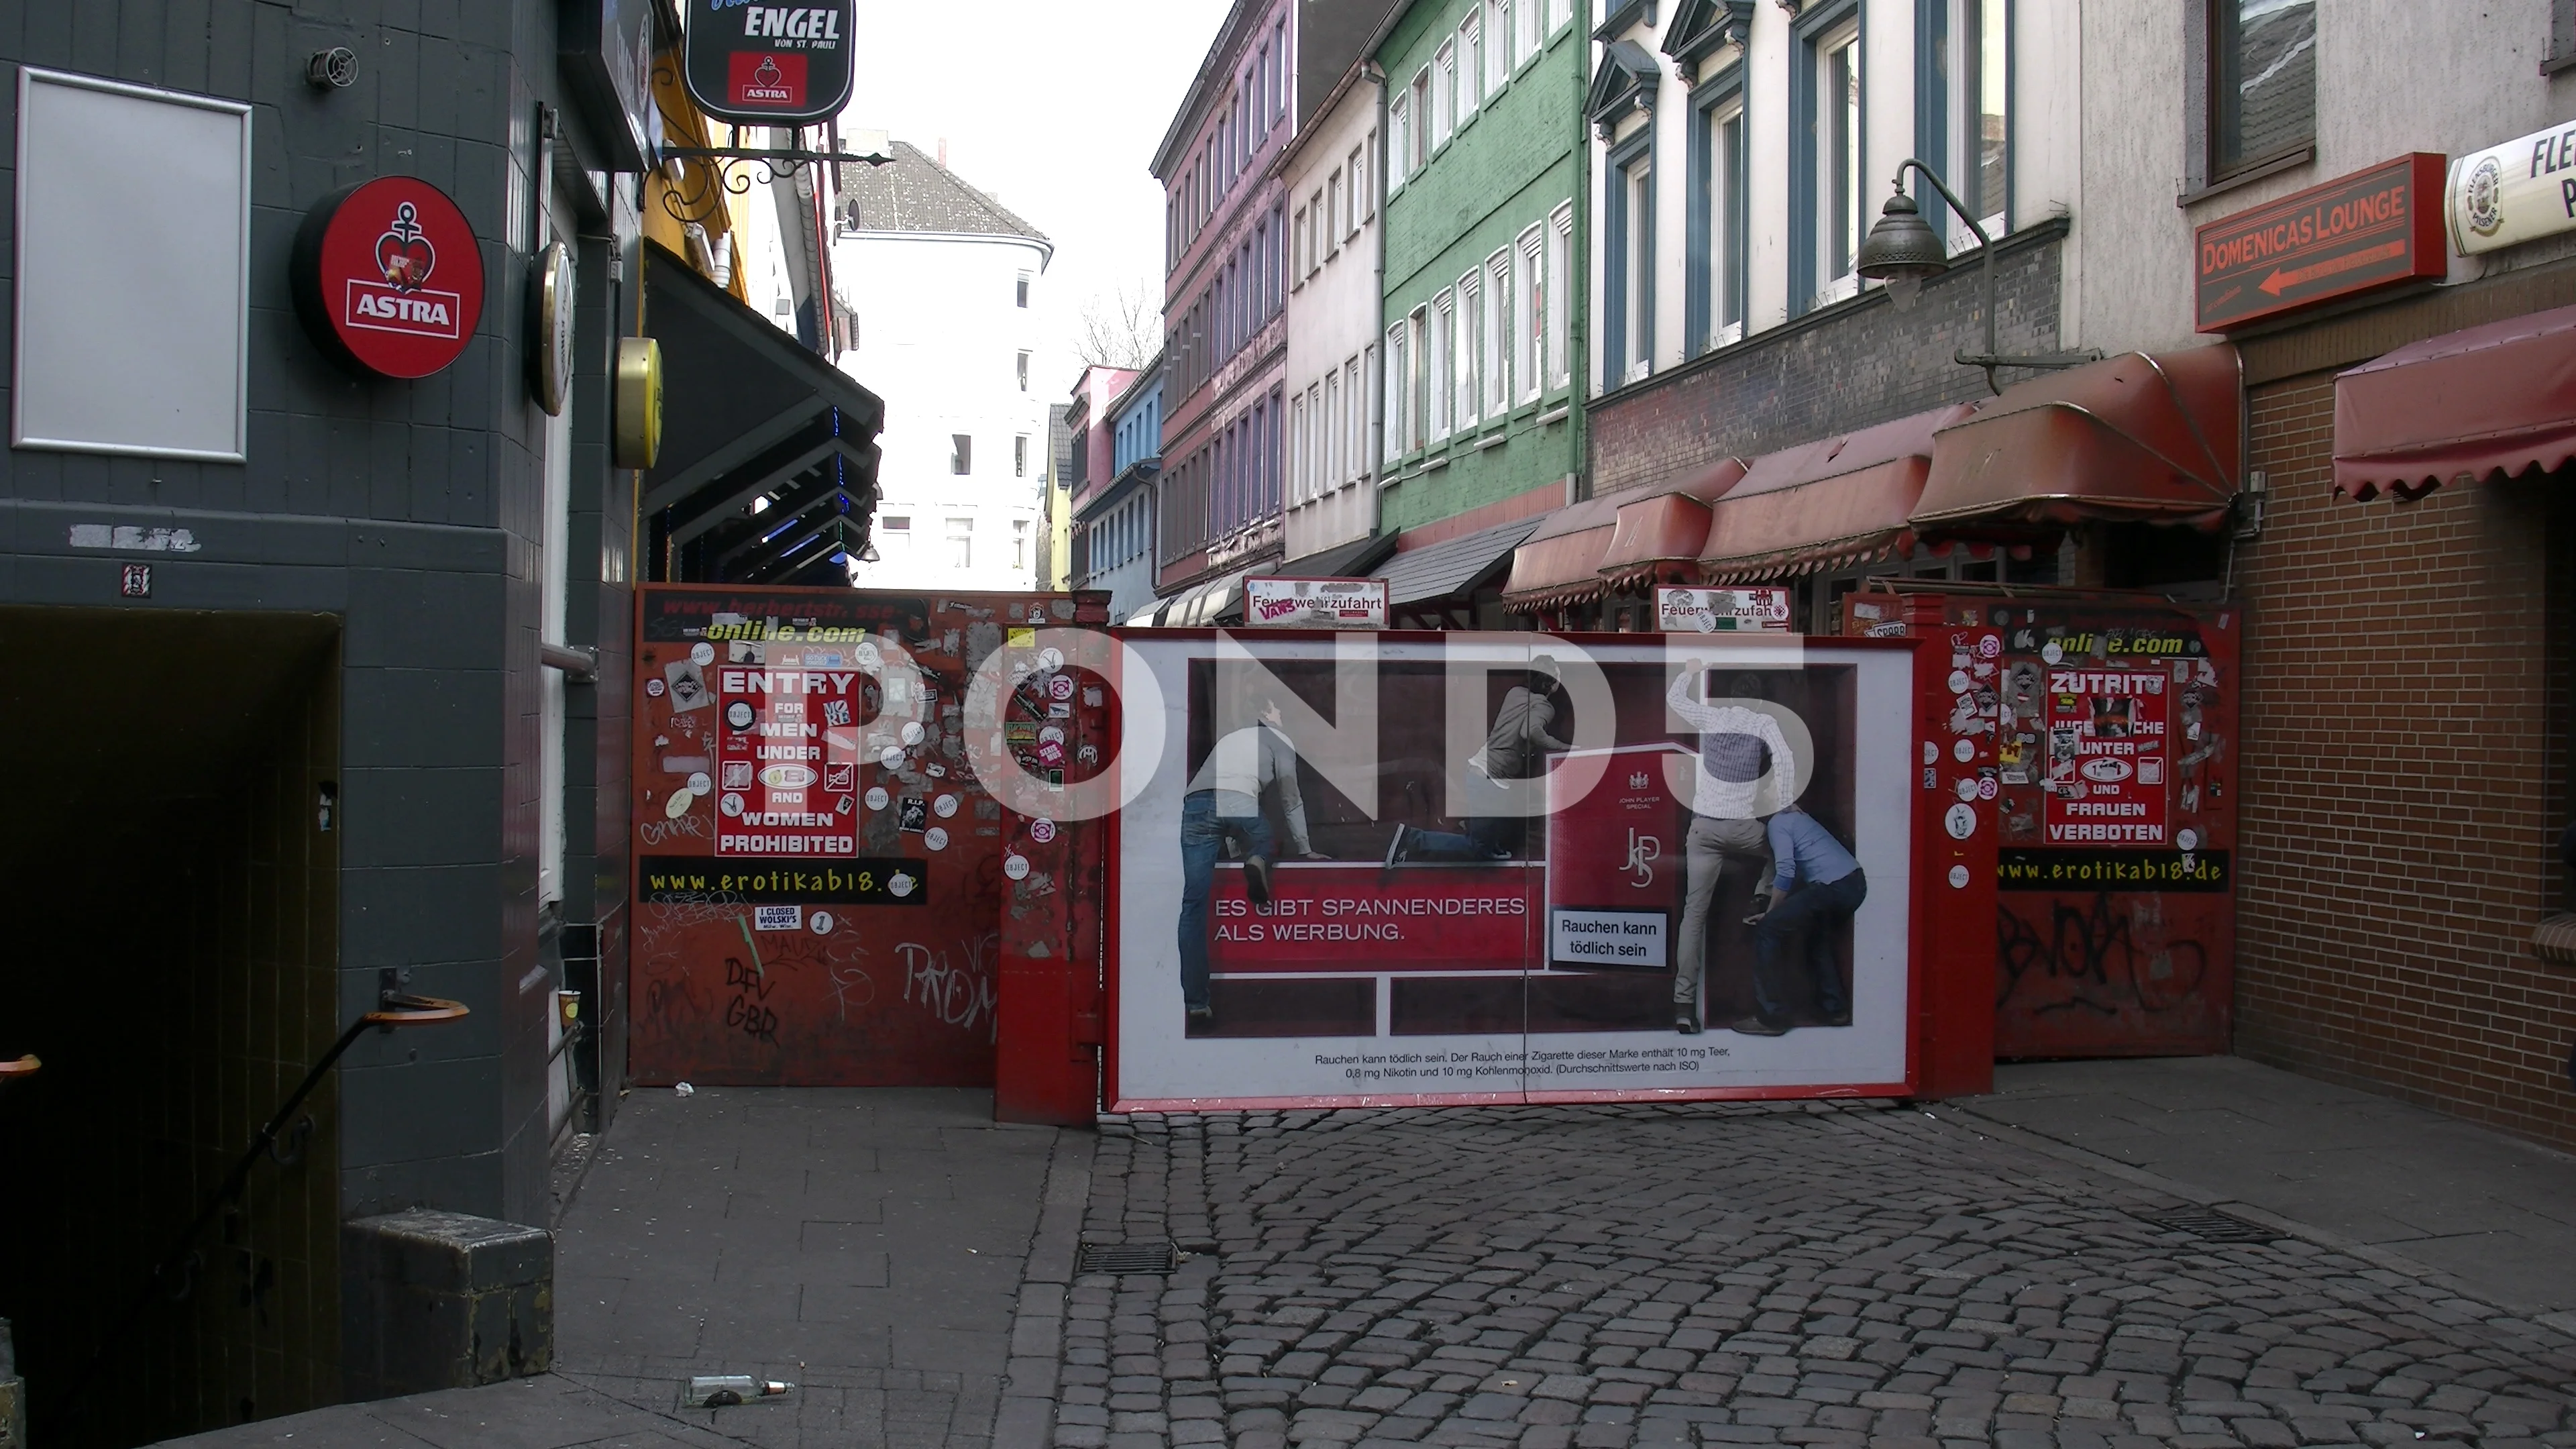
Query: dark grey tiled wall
{"x": 409, "y": 509}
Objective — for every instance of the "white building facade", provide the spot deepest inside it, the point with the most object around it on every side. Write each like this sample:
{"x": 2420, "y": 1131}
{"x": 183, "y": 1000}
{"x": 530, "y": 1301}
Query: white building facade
{"x": 1742, "y": 151}
{"x": 1331, "y": 171}
{"x": 943, "y": 287}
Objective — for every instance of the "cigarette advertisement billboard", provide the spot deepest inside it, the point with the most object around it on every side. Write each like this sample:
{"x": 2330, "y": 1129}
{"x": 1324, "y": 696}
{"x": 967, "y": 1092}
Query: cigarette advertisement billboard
{"x": 1459, "y": 867}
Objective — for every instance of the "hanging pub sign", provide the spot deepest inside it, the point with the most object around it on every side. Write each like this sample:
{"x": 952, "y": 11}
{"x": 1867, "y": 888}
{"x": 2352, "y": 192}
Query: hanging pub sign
{"x": 388, "y": 278}
{"x": 769, "y": 65}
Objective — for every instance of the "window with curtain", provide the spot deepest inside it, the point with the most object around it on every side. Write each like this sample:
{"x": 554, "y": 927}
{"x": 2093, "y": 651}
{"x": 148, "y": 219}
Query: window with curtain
{"x": 1498, "y": 54}
{"x": 1533, "y": 31}
{"x": 1493, "y": 332}
{"x": 2262, "y": 80}
{"x": 961, "y": 543}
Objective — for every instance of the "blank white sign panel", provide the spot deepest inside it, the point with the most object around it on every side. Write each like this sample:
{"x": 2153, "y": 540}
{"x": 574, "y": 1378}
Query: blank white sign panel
{"x": 133, "y": 275}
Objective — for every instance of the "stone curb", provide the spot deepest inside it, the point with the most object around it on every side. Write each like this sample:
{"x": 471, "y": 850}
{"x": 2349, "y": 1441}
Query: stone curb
{"x": 1025, "y": 1416}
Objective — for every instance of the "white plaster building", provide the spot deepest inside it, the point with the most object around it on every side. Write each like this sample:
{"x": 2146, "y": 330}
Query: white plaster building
{"x": 1741, "y": 152}
{"x": 1331, "y": 171}
{"x": 943, "y": 286}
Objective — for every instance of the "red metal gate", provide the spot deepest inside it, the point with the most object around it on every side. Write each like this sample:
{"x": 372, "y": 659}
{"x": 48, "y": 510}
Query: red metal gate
{"x": 825, "y": 891}
{"x": 2116, "y": 785}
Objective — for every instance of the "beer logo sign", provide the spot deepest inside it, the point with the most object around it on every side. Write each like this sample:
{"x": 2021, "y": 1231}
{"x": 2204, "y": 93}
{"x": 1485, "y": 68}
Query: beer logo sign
{"x": 766, "y": 65}
{"x": 388, "y": 277}
{"x": 2482, "y": 196}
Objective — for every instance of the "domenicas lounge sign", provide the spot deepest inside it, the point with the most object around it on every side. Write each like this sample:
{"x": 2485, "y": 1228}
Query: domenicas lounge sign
{"x": 769, "y": 65}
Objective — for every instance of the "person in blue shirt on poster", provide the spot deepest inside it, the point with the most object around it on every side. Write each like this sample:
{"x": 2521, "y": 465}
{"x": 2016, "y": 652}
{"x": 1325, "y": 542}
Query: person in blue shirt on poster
{"x": 1817, "y": 886}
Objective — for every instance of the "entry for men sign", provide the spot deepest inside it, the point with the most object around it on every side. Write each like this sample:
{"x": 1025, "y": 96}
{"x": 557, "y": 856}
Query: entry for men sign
{"x": 769, "y": 65}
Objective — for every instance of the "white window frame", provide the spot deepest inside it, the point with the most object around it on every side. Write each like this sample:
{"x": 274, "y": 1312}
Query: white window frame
{"x": 1471, "y": 66}
{"x": 1333, "y": 437}
{"x": 1560, "y": 14}
{"x": 1726, "y": 182}
{"x": 1832, "y": 284}
{"x": 1355, "y": 374}
{"x": 1333, "y": 213}
{"x": 1467, "y": 345}
{"x": 1560, "y": 265}
{"x": 1444, "y": 93}
{"x": 1398, "y": 383}
{"x": 961, "y": 558}
{"x": 1498, "y": 53}
{"x": 1440, "y": 356}
{"x": 1399, "y": 135}
{"x": 1419, "y": 154}
{"x": 1529, "y": 348}
{"x": 1417, "y": 379}
{"x": 1637, "y": 271}
{"x": 1495, "y": 326}
{"x": 1532, "y": 32}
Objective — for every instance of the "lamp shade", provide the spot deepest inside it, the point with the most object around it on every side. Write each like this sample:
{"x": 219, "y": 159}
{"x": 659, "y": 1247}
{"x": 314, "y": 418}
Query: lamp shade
{"x": 1901, "y": 245}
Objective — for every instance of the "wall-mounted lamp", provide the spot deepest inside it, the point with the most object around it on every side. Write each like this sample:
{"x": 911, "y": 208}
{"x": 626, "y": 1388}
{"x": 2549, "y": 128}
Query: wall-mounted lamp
{"x": 1903, "y": 251}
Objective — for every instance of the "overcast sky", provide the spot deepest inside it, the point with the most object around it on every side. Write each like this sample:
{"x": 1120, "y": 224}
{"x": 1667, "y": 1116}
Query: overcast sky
{"x": 1057, "y": 109}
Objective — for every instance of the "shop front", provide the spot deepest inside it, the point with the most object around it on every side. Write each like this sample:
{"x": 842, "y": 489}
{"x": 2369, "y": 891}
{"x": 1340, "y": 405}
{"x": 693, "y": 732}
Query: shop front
{"x": 2113, "y": 934}
{"x": 2405, "y": 749}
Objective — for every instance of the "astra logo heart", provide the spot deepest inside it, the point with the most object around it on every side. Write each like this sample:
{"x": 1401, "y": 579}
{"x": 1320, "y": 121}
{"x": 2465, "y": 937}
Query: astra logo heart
{"x": 764, "y": 78}
{"x": 388, "y": 277}
{"x": 403, "y": 254}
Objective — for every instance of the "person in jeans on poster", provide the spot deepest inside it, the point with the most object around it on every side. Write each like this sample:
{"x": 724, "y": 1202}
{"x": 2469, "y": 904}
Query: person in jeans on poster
{"x": 1738, "y": 749}
{"x": 1818, "y": 887}
{"x": 1516, "y": 748}
{"x": 1223, "y": 807}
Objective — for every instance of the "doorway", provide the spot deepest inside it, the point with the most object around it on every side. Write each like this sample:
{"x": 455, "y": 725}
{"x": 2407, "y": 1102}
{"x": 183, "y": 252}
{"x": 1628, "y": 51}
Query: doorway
{"x": 175, "y": 853}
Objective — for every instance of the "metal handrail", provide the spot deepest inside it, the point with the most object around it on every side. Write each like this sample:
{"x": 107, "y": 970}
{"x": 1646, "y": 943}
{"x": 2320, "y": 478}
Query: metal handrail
{"x": 393, "y": 1009}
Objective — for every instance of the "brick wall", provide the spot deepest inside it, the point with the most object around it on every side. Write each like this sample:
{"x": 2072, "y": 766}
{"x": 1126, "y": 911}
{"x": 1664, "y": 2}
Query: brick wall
{"x": 1848, "y": 366}
{"x": 2404, "y": 776}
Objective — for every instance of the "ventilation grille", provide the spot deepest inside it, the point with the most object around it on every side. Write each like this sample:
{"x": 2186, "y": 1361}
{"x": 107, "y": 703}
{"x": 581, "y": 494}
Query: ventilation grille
{"x": 2212, "y": 1227}
{"x": 1157, "y": 1256}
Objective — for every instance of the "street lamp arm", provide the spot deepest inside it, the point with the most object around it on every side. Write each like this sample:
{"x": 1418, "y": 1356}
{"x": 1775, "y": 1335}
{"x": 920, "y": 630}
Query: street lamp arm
{"x": 1902, "y": 249}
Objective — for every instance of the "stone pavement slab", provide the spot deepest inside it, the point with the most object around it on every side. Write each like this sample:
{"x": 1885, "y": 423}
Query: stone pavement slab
{"x": 867, "y": 1246}
{"x": 2493, "y": 1211}
{"x": 1816, "y": 1273}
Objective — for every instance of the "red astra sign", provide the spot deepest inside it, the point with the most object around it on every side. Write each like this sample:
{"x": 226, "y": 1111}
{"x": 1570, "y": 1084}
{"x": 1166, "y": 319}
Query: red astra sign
{"x": 2371, "y": 229}
{"x": 388, "y": 277}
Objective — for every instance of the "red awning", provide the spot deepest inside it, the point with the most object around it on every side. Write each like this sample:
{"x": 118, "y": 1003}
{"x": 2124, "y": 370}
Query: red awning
{"x": 2131, "y": 438}
{"x": 2494, "y": 399}
{"x": 1825, "y": 504}
{"x": 1670, "y": 526}
{"x": 1561, "y": 563}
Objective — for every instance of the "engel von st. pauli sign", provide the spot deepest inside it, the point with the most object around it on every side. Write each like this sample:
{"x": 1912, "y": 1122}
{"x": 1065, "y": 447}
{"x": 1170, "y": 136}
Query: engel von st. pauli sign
{"x": 769, "y": 65}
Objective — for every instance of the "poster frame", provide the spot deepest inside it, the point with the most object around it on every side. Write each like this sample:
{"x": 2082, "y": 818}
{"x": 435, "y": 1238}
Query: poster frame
{"x": 1924, "y": 1027}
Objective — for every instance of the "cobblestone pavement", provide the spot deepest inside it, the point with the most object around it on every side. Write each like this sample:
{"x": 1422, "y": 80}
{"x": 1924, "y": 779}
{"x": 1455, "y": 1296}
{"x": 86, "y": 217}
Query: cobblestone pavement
{"x": 1726, "y": 1274}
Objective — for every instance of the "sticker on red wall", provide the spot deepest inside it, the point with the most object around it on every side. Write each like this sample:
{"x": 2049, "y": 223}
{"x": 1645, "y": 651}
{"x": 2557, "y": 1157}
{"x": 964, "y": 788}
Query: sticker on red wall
{"x": 388, "y": 277}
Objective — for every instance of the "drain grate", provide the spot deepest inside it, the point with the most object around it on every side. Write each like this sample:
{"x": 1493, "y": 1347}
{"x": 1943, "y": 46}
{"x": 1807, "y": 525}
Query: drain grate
{"x": 2212, "y": 1226}
{"x": 1156, "y": 1256}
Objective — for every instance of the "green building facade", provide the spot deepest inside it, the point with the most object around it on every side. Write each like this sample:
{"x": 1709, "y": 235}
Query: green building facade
{"x": 1482, "y": 305}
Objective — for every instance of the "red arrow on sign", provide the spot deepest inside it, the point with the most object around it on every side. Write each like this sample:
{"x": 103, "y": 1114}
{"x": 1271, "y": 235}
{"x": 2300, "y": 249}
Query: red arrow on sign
{"x": 2280, "y": 280}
